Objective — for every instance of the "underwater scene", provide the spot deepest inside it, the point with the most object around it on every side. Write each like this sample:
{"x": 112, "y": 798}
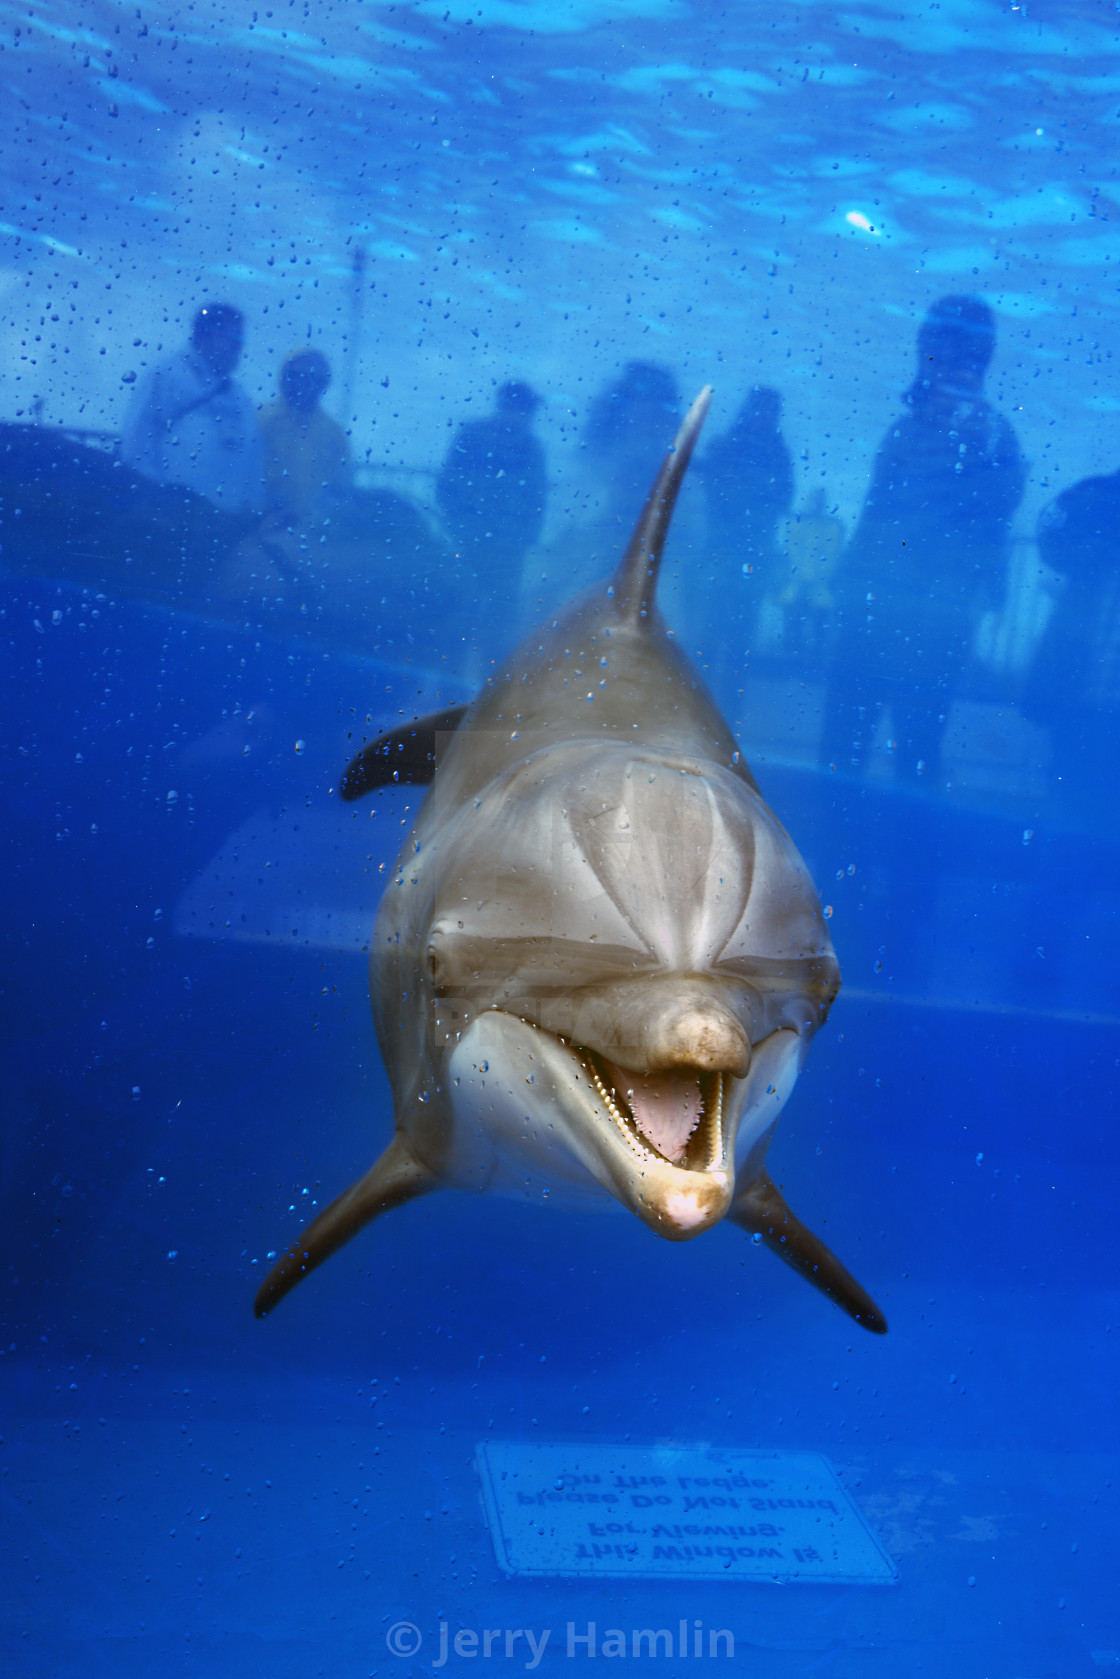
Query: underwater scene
{"x": 560, "y": 608}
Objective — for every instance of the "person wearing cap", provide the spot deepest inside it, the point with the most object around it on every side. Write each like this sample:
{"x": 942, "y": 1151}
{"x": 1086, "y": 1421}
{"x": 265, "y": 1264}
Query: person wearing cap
{"x": 929, "y": 554}
{"x": 191, "y": 423}
{"x": 493, "y": 486}
{"x": 307, "y": 454}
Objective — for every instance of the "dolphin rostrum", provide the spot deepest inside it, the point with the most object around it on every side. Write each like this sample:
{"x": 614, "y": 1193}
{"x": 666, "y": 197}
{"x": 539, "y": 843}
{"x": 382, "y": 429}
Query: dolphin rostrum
{"x": 600, "y": 962}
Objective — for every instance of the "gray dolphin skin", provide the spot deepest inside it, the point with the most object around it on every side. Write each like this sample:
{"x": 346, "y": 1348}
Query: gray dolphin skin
{"x": 600, "y": 961}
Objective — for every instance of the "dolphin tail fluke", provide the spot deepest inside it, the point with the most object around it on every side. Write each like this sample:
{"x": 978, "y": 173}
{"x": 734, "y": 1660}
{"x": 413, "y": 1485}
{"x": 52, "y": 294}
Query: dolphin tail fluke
{"x": 761, "y": 1210}
{"x": 635, "y": 582}
{"x": 391, "y": 1181}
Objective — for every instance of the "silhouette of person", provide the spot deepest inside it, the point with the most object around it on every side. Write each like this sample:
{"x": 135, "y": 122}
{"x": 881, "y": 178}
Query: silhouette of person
{"x": 748, "y": 477}
{"x": 1073, "y": 687}
{"x": 928, "y": 555}
{"x": 306, "y": 453}
{"x": 191, "y": 423}
{"x": 799, "y": 606}
{"x": 629, "y": 426}
{"x": 493, "y": 486}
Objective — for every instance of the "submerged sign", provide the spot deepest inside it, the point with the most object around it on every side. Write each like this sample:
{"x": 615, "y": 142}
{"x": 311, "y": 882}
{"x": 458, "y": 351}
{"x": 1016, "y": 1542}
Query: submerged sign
{"x": 675, "y": 1512}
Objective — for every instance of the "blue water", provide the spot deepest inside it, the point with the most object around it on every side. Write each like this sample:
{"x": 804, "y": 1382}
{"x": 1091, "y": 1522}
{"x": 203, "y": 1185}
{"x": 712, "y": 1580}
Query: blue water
{"x": 763, "y": 196}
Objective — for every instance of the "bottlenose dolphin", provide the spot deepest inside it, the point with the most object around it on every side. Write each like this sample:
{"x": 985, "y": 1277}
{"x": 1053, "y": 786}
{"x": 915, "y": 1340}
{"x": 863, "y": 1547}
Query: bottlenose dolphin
{"x": 600, "y": 962}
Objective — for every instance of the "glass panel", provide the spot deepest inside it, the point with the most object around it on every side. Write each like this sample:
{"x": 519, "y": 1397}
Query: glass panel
{"x": 342, "y": 346}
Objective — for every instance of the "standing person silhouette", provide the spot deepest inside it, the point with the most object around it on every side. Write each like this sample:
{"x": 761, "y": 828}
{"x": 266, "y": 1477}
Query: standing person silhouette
{"x": 1073, "y": 686}
{"x": 193, "y": 424}
{"x": 307, "y": 454}
{"x": 748, "y": 478}
{"x": 929, "y": 554}
{"x": 493, "y": 485}
{"x": 630, "y": 423}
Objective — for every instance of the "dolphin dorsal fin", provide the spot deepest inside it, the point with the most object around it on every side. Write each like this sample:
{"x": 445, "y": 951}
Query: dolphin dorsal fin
{"x": 635, "y": 581}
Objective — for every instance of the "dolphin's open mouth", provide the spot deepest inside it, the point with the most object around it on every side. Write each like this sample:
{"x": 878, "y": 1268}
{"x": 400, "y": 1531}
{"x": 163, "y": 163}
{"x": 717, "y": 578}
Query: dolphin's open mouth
{"x": 672, "y": 1116}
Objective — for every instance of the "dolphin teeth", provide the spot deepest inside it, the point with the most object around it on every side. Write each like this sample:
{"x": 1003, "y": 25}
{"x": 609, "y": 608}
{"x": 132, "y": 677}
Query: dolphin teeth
{"x": 703, "y": 1150}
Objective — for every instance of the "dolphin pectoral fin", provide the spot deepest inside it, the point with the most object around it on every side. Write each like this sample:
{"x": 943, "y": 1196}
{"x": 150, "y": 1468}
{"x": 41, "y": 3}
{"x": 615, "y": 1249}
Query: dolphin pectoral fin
{"x": 391, "y": 1181}
{"x": 404, "y": 754}
{"x": 760, "y": 1209}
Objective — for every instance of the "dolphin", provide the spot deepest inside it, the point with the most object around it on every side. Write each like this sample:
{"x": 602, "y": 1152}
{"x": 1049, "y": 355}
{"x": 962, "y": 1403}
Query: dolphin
{"x": 600, "y": 961}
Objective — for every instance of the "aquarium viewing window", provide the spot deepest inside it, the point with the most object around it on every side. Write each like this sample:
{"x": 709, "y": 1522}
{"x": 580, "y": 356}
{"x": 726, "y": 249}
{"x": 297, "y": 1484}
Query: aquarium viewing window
{"x": 561, "y": 827}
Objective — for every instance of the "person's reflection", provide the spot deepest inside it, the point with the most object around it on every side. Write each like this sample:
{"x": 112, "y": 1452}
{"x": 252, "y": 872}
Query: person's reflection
{"x": 192, "y": 424}
{"x": 307, "y": 454}
{"x": 799, "y": 603}
{"x": 1073, "y": 687}
{"x": 928, "y": 556}
{"x": 493, "y": 485}
{"x": 630, "y": 425}
{"x": 748, "y": 480}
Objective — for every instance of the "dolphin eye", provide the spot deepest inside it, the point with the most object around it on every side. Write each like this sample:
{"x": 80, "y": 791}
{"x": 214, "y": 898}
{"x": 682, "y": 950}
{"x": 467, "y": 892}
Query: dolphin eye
{"x": 435, "y": 969}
